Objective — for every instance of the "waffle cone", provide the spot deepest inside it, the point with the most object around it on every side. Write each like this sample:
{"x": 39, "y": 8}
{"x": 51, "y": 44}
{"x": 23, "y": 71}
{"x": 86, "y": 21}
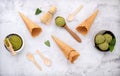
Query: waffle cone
{"x": 84, "y": 27}
{"x": 33, "y": 28}
{"x": 47, "y": 17}
{"x": 68, "y": 51}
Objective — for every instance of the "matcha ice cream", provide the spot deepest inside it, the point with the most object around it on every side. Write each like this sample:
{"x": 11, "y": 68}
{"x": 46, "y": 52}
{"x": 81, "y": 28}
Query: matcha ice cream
{"x": 108, "y": 37}
{"x": 104, "y": 46}
{"x": 99, "y": 39}
{"x": 60, "y": 21}
{"x": 15, "y": 40}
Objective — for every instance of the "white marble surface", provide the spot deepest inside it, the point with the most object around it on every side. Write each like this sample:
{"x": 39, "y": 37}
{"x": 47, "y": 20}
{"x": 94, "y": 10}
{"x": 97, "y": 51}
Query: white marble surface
{"x": 91, "y": 61}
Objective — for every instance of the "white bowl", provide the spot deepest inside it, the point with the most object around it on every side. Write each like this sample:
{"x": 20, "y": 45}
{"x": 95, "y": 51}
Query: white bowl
{"x": 21, "y": 39}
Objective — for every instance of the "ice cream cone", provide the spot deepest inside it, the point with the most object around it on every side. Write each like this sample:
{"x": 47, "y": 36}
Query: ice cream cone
{"x": 68, "y": 51}
{"x": 47, "y": 17}
{"x": 33, "y": 28}
{"x": 84, "y": 27}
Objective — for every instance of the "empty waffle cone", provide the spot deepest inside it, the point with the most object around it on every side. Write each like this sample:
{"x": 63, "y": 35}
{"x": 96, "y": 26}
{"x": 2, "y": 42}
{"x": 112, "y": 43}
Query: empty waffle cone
{"x": 68, "y": 51}
{"x": 46, "y": 18}
{"x": 33, "y": 28}
{"x": 84, "y": 27}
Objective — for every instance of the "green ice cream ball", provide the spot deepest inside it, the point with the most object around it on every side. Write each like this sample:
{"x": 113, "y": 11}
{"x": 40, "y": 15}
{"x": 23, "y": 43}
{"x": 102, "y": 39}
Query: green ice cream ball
{"x": 108, "y": 37}
{"x": 104, "y": 46}
{"x": 15, "y": 41}
{"x": 99, "y": 39}
{"x": 60, "y": 21}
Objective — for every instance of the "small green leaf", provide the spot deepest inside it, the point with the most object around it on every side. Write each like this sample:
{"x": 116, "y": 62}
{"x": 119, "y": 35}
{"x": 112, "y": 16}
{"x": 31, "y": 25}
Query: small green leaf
{"x": 47, "y": 43}
{"x": 113, "y": 41}
{"x": 38, "y": 11}
{"x": 112, "y": 44}
{"x": 111, "y": 48}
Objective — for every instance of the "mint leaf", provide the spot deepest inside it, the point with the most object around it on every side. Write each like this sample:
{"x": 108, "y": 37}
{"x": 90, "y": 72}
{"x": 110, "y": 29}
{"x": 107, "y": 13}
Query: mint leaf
{"x": 47, "y": 43}
{"x": 38, "y": 11}
{"x": 113, "y": 41}
{"x": 111, "y": 48}
{"x": 112, "y": 44}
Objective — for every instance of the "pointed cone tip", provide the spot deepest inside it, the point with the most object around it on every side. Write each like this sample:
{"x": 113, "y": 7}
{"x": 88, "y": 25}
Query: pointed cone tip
{"x": 20, "y": 13}
{"x": 54, "y": 38}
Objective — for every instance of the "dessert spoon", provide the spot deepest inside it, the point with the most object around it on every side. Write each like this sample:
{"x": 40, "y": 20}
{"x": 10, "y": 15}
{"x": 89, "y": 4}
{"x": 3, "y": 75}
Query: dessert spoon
{"x": 45, "y": 59}
{"x": 31, "y": 58}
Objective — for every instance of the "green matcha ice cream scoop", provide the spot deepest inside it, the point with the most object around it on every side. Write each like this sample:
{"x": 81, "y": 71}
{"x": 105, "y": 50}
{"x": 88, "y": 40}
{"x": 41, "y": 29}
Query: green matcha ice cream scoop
{"x": 99, "y": 39}
{"x": 104, "y": 46}
{"x": 60, "y": 21}
{"x": 108, "y": 37}
{"x": 16, "y": 42}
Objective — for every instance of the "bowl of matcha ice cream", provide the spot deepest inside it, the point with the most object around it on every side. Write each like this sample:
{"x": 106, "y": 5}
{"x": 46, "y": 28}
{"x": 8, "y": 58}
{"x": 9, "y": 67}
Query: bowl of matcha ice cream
{"x": 105, "y": 41}
{"x": 15, "y": 40}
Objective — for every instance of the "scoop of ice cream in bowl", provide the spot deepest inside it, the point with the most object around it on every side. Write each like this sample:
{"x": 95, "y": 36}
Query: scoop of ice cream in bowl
{"x": 105, "y": 41}
{"x": 13, "y": 43}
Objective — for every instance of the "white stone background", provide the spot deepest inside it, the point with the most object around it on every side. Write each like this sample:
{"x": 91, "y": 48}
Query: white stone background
{"x": 91, "y": 61}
